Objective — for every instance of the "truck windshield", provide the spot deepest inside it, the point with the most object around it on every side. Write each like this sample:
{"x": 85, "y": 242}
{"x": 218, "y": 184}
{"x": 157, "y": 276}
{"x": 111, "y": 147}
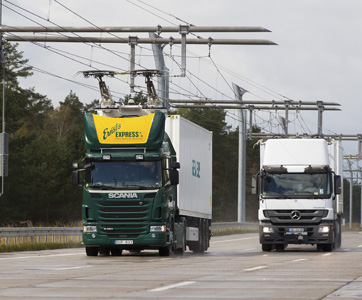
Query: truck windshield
{"x": 296, "y": 184}
{"x": 124, "y": 175}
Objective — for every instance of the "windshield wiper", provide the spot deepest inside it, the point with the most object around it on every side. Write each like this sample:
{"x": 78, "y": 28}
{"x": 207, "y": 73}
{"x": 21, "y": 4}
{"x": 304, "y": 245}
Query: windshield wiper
{"x": 140, "y": 187}
{"x": 101, "y": 186}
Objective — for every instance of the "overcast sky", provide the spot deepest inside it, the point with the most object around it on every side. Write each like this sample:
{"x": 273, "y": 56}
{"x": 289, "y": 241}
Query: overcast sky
{"x": 318, "y": 57}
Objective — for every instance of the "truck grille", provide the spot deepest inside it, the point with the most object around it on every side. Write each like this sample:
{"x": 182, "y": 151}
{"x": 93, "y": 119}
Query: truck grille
{"x": 124, "y": 218}
{"x": 294, "y": 217}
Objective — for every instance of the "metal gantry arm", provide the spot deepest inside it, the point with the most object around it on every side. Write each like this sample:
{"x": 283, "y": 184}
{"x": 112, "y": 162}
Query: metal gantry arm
{"x": 183, "y": 30}
{"x": 251, "y": 105}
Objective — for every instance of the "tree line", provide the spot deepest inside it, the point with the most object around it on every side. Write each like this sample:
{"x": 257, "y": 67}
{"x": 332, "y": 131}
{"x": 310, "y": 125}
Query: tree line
{"x": 44, "y": 141}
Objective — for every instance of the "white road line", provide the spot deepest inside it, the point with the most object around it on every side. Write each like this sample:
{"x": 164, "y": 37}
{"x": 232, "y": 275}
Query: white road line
{"x": 158, "y": 260}
{"x": 255, "y": 268}
{"x": 300, "y": 259}
{"x": 38, "y": 256}
{"x": 172, "y": 286}
{"x": 360, "y": 246}
{"x": 70, "y": 268}
{"x": 235, "y": 240}
{"x": 327, "y": 254}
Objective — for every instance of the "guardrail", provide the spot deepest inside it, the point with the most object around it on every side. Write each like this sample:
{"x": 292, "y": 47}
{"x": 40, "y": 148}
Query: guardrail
{"x": 40, "y": 234}
{"x": 15, "y": 235}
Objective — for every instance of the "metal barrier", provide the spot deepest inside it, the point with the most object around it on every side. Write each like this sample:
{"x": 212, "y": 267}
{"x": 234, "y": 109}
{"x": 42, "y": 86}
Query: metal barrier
{"x": 66, "y": 234}
{"x": 220, "y": 227}
{"x": 40, "y": 234}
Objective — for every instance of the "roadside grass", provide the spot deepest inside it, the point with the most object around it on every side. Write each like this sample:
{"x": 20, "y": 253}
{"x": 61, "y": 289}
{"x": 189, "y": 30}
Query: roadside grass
{"x": 233, "y": 231}
{"x": 38, "y": 246}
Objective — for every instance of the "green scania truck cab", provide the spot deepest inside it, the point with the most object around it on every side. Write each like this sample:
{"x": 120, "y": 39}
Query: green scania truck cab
{"x": 130, "y": 177}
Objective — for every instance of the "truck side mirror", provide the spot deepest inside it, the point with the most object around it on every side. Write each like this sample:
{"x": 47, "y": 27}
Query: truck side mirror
{"x": 337, "y": 185}
{"x": 174, "y": 177}
{"x": 175, "y": 165}
{"x": 75, "y": 177}
{"x": 254, "y": 184}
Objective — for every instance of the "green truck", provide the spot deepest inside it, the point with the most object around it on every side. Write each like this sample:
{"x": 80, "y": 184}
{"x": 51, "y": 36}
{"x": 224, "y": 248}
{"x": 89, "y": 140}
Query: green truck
{"x": 146, "y": 180}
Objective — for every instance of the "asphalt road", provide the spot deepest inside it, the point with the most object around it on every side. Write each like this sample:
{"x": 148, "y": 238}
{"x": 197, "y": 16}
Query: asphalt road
{"x": 233, "y": 268}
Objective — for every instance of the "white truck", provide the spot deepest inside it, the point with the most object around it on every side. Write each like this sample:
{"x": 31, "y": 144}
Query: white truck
{"x": 300, "y": 193}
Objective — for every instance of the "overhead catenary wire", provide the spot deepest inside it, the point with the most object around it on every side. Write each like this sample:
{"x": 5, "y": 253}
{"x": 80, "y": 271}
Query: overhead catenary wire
{"x": 197, "y": 76}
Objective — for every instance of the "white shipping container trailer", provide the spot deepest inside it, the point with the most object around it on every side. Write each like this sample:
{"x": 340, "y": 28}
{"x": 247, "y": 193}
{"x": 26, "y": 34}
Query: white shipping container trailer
{"x": 193, "y": 146}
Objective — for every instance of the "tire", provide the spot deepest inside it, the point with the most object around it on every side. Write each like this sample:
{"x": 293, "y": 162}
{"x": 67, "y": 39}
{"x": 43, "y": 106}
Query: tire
{"x": 200, "y": 246}
{"x": 181, "y": 251}
{"x": 91, "y": 251}
{"x": 325, "y": 247}
{"x": 279, "y": 247}
{"x": 104, "y": 251}
{"x": 165, "y": 251}
{"x": 266, "y": 247}
{"x": 338, "y": 233}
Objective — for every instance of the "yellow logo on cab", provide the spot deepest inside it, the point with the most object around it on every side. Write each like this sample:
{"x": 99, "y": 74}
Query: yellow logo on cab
{"x": 123, "y": 130}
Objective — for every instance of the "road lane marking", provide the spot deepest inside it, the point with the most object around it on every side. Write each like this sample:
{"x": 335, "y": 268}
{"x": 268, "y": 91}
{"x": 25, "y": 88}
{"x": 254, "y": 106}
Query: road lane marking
{"x": 235, "y": 240}
{"x": 158, "y": 260}
{"x": 172, "y": 286}
{"x": 327, "y": 254}
{"x": 299, "y": 259}
{"x": 255, "y": 268}
{"x": 70, "y": 268}
{"x": 39, "y": 256}
{"x": 360, "y": 246}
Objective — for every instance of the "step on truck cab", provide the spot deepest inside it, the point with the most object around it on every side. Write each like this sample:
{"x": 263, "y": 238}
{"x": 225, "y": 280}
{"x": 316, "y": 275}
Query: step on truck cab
{"x": 300, "y": 193}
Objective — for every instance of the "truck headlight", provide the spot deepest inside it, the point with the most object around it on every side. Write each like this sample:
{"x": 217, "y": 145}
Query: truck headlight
{"x": 161, "y": 228}
{"x": 268, "y": 229}
{"x": 323, "y": 229}
{"x": 89, "y": 228}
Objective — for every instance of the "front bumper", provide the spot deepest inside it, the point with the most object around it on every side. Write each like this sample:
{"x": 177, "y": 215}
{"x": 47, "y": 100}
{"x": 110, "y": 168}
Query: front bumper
{"x": 152, "y": 240}
{"x": 296, "y": 234}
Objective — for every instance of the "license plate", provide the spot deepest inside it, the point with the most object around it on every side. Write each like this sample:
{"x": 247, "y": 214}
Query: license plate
{"x": 295, "y": 229}
{"x": 123, "y": 242}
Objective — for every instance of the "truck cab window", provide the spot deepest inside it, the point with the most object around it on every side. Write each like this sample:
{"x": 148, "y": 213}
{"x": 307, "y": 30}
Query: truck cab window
{"x": 124, "y": 174}
{"x": 298, "y": 184}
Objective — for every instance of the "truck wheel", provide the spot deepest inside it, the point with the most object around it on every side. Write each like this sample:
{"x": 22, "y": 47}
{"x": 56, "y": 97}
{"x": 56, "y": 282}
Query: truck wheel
{"x": 200, "y": 248}
{"x": 91, "y": 251}
{"x": 338, "y": 233}
{"x": 325, "y": 247}
{"x": 279, "y": 247}
{"x": 104, "y": 251}
{"x": 266, "y": 247}
{"x": 181, "y": 251}
{"x": 165, "y": 251}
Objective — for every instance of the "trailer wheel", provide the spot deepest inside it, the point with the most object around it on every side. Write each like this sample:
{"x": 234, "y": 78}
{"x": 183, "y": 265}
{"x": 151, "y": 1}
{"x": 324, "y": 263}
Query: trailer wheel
{"x": 91, "y": 251}
{"x": 200, "y": 246}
